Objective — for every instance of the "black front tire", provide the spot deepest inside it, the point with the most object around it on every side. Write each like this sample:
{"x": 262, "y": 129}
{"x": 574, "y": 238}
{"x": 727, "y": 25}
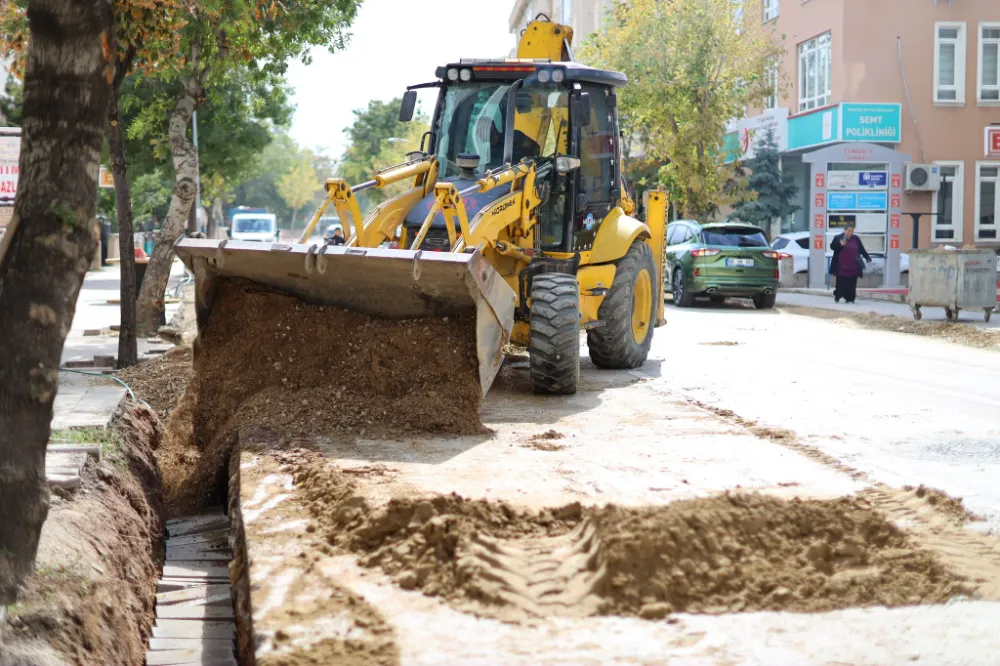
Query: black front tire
{"x": 554, "y": 347}
{"x": 682, "y": 297}
{"x": 764, "y": 301}
{"x": 614, "y": 346}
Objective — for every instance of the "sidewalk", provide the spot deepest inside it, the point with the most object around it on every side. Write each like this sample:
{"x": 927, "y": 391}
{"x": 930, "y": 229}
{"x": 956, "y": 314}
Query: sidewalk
{"x": 95, "y": 315}
{"x": 884, "y": 302}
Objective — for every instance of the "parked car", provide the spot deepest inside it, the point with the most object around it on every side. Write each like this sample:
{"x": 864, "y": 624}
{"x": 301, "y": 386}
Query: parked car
{"x": 796, "y": 243}
{"x": 720, "y": 260}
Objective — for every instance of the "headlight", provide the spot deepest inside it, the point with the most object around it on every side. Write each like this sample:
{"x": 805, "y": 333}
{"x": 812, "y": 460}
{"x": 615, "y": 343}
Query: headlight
{"x": 544, "y": 76}
{"x": 558, "y": 75}
{"x": 453, "y": 74}
{"x": 466, "y": 74}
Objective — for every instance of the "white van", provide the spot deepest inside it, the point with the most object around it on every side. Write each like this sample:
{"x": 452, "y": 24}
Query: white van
{"x": 261, "y": 227}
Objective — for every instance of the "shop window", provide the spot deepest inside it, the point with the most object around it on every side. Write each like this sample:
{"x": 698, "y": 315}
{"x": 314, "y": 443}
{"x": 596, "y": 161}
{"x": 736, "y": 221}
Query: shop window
{"x": 949, "y": 63}
{"x": 814, "y": 72}
{"x": 987, "y": 200}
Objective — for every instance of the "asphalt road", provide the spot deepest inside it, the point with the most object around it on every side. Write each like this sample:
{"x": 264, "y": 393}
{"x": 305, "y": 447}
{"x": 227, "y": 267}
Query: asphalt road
{"x": 901, "y": 408}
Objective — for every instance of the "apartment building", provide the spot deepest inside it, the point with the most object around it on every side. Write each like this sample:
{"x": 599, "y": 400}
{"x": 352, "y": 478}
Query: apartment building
{"x": 920, "y": 78}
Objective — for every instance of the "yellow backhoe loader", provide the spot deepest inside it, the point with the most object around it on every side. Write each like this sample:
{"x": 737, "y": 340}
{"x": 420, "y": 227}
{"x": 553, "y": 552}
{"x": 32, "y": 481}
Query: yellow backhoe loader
{"x": 516, "y": 210}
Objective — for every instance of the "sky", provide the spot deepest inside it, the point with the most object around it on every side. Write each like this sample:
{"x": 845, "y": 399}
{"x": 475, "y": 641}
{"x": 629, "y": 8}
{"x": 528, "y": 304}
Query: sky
{"x": 394, "y": 43}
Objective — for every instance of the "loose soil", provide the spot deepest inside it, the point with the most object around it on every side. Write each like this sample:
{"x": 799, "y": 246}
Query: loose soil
{"x": 546, "y": 441}
{"x": 957, "y": 332}
{"x": 268, "y": 360}
{"x": 737, "y": 552}
{"x": 162, "y": 381}
{"x": 90, "y": 601}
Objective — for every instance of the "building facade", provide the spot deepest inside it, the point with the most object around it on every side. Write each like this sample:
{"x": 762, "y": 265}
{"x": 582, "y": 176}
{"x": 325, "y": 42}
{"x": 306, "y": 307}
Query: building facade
{"x": 920, "y": 77}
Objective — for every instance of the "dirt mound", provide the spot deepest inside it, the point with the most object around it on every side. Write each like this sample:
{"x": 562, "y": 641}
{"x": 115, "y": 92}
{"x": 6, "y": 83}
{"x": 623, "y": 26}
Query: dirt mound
{"x": 546, "y": 441}
{"x": 957, "y": 332}
{"x": 417, "y": 541}
{"x": 90, "y": 600}
{"x": 741, "y": 552}
{"x": 268, "y": 360}
{"x": 162, "y": 381}
{"x": 952, "y": 507}
{"x": 737, "y": 552}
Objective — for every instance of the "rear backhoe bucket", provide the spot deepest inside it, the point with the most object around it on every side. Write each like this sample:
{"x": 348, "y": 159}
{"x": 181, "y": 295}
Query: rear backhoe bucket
{"x": 391, "y": 284}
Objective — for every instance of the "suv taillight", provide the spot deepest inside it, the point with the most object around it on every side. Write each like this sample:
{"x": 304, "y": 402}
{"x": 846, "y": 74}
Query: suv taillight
{"x": 704, "y": 252}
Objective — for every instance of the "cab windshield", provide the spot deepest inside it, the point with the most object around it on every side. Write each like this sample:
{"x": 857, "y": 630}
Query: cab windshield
{"x": 473, "y": 121}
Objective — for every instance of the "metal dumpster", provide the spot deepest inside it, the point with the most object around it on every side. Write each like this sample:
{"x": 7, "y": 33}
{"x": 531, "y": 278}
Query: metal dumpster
{"x": 954, "y": 280}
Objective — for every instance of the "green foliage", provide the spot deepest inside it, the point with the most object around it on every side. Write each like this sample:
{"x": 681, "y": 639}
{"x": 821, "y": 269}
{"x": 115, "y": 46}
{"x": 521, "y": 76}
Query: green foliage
{"x": 299, "y": 184}
{"x": 775, "y": 192}
{"x": 377, "y": 139}
{"x": 692, "y": 67}
{"x": 236, "y": 122}
{"x": 11, "y": 102}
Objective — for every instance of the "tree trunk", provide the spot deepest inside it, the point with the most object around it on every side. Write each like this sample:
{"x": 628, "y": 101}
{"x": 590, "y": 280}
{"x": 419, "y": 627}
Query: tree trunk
{"x": 291, "y": 231}
{"x": 128, "y": 353}
{"x": 51, "y": 245}
{"x": 150, "y": 308}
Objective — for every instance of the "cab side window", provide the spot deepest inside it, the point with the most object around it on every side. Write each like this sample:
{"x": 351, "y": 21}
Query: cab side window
{"x": 596, "y": 176}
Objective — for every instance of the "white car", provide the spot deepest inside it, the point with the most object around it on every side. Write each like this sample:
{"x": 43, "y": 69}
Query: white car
{"x": 796, "y": 244}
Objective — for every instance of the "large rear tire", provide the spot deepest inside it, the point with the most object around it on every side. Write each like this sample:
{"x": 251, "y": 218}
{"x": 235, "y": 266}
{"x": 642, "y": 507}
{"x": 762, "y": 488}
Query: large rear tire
{"x": 628, "y": 313}
{"x": 554, "y": 347}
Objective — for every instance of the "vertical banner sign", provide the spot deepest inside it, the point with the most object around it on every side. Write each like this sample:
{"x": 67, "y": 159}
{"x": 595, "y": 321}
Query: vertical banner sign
{"x": 818, "y": 221}
{"x": 10, "y": 152}
{"x": 896, "y": 200}
{"x": 897, "y": 181}
{"x": 821, "y": 180}
{"x": 894, "y": 221}
{"x": 894, "y": 242}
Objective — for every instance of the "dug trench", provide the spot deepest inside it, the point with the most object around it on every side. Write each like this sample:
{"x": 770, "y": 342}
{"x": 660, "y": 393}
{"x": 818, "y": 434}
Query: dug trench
{"x": 273, "y": 375}
{"x": 90, "y": 600}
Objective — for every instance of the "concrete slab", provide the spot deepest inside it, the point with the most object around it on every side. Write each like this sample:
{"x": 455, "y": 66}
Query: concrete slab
{"x": 195, "y": 593}
{"x": 193, "y": 554}
{"x": 187, "y": 569}
{"x": 196, "y": 644}
{"x": 193, "y": 629}
{"x": 219, "y": 537}
{"x": 186, "y": 612}
{"x": 173, "y": 657}
{"x": 85, "y": 402}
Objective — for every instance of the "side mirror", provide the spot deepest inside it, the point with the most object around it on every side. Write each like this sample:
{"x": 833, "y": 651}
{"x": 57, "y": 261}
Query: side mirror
{"x": 408, "y": 106}
{"x": 579, "y": 109}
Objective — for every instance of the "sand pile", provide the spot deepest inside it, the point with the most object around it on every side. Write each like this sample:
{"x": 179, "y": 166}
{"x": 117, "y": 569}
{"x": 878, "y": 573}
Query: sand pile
{"x": 737, "y": 552}
{"x": 268, "y": 361}
{"x": 753, "y": 552}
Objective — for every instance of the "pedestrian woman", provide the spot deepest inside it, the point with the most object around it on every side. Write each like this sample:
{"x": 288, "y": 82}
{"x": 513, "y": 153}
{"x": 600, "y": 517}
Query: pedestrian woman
{"x": 847, "y": 264}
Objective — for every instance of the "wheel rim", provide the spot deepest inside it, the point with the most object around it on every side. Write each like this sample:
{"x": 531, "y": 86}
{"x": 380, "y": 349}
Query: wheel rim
{"x": 678, "y": 288}
{"x": 642, "y": 306}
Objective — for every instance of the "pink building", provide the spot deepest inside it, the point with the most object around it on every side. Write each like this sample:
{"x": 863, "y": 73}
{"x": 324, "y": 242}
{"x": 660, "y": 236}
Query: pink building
{"x": 921, "y": 77}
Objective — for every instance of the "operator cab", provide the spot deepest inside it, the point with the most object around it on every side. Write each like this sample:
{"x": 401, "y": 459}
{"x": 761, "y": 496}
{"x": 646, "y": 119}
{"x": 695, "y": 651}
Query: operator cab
{"x": 562, "y": 115}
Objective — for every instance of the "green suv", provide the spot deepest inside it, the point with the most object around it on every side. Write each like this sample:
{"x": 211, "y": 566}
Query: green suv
{"x": 720, "y": 260}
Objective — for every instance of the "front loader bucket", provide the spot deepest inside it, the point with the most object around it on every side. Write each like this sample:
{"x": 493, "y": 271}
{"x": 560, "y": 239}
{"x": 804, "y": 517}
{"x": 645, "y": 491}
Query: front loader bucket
{"x": 391, "y": 284}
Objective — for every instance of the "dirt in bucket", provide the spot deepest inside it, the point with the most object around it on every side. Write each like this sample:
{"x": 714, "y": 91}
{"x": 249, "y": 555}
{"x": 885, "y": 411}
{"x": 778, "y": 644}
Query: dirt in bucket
{"x": 268, "y": 360}
{"x": 730, "y": 553}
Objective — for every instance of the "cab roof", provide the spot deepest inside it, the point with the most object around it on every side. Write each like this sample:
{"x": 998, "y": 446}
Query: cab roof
{"x": 510, "y": 69}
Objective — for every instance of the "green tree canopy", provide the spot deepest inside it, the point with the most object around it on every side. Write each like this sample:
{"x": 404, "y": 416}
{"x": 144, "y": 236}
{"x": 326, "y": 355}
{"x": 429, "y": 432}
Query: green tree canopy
{"x": 377, "y": 139}
{"x": 775, "y": 192}
{"x": 692, "y": 67}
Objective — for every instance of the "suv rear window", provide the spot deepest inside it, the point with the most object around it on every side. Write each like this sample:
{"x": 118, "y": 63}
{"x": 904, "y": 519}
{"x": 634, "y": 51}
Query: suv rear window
{"x": 734, "y": 237}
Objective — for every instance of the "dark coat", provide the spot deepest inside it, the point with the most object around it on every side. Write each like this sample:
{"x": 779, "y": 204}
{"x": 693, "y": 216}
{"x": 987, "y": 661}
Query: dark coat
{"x": 837, "y": 244}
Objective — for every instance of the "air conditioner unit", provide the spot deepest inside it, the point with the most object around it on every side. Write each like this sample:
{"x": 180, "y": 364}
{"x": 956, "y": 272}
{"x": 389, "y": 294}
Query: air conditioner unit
{"x": 923, "y": 178}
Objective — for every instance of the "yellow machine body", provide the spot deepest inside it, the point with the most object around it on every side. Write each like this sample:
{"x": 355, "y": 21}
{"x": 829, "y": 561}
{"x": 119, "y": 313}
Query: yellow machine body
{"x": 488, "y": 249}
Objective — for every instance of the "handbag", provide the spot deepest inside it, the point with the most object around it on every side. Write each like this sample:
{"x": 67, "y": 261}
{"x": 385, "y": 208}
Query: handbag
{"x": 861, "y": 265}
